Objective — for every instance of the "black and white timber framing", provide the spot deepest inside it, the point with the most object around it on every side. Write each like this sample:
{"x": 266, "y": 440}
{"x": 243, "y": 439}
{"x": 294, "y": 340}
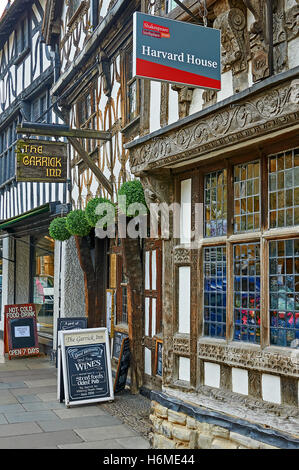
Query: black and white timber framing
{"x": 26, "y": 76}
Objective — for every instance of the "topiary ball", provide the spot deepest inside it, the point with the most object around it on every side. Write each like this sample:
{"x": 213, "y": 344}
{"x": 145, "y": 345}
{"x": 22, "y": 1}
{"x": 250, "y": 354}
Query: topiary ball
{"x": 58, "y": 230}
{"x": 77, "y": 223}
{"x": 90, "y": 210}
{"x": 133, "y": 190}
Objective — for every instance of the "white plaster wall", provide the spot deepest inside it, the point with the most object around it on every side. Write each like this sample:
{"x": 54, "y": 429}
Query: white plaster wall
{"x": 173, "y": 106}
{"x": 226, "y": 86}
{"x": 212, "y": 374}
{"x": 197, "y": 101}
{"x": 293, "y": 55}
{"x": 184, "y": 299}
{"x": 155, "y": 101}
{"x": 147, "y": 361}
{"x": 240, "y": 381}
{"x": 271, "y": 388}
{"x": 185, "y": 216}
{"x": 184, "y": 369}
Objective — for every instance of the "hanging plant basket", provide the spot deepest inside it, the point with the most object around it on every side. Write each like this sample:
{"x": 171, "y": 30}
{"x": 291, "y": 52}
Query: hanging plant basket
{"x": 91, "y": 212}
{"x": 77, "y": 223}
{"x": 58, "y": 230}
{"x": 133, "y": 191}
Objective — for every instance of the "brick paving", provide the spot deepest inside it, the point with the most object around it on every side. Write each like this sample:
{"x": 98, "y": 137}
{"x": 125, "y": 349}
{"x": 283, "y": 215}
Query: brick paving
{"x": 31, "y": 417}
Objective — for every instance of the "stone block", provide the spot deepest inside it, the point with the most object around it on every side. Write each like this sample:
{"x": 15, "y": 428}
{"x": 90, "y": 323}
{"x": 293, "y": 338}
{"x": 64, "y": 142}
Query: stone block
{"x": 219, "y": 443}
{"x": 244, "y": 440}
{"x": 177, "y": 418}
{"x": 161, "y": 442}
{"x": 191, "y": 423}
{"x": 204, "y": 441}
{"x": 166, "y": 429}
{"x": 161, "y": 411}
{"x": 218, "y": 431}
{"x": 181, "y": 433}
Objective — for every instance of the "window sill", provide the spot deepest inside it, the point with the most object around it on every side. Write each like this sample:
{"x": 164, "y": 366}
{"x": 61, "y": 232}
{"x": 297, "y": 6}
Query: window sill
{"x": 130, "y": 124}
{"x": 75, "y": 16}
{"x": 21, "y": 56}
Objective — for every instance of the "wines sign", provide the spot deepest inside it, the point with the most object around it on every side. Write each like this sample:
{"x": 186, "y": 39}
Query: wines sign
{"x": 176, "y": 52}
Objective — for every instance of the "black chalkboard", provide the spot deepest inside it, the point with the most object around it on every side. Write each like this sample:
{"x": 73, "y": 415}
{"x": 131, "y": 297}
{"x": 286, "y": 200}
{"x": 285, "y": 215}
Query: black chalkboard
{"x": 117, "y": 342}
{"x": 159, "y": 358}
{"x": 86, "y": 365}
{"x": 123, "y": 366}
{"x": 70, "y": 323}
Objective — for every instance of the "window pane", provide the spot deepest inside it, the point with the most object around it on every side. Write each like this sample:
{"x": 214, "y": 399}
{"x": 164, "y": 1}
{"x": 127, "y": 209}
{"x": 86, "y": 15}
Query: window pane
{"x": 284, "y": 293}
{"x": 215, "y": 291}
{"x": 247, "y": 292}
{"x": 215, "y": 203}
{"x": 283, "y": 189}
{"x": 247, "y": 197}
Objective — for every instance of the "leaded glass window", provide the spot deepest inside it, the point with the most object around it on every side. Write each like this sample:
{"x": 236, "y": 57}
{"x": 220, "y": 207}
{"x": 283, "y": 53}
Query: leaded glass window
{"x": 284, "y": 189}
{"x": 216, "y": 203}
{"x": 247, "y": 197}
{"x": 215, "y": 291}
{"x": 284, "y": 292}
{"x": 247, "y": 292}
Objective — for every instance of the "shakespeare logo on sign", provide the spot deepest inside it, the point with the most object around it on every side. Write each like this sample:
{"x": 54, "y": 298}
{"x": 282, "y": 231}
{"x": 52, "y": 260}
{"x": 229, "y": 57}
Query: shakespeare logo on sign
{"x": 176, "y": 52}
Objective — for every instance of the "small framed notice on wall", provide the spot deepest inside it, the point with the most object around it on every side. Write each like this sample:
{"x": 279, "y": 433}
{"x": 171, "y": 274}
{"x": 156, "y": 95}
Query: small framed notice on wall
{"x": 158, "y": 357}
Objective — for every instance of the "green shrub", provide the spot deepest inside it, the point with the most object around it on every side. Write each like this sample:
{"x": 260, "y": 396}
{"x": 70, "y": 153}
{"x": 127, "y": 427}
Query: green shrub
{"x": 77, "y": 223}
{"x": 90, "y": 211}
{"x": 134, "y": 193}
{"x": 58, "y": 230}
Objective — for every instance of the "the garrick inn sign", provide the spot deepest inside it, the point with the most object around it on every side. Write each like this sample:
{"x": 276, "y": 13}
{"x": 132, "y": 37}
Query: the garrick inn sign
{"x": 41, "y": 161}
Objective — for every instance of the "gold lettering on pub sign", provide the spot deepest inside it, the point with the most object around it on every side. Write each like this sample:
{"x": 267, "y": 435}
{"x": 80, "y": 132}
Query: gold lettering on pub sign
{"x": 41, "y": 162}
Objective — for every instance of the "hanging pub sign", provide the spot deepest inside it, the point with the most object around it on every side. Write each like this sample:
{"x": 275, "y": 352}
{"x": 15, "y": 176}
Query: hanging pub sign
{"x": 41, "y": 161}
{"x": 176, "y": 52}
{"x": 84, "y": 366}
{"x": 20, "y": 330}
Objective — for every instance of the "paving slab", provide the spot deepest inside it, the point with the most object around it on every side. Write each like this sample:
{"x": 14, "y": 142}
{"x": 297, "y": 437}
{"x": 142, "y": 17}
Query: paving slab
{"x": 19, "y": 429}
{"x": 38, "y": 441}
{"x": 107, "y": 444}
{"x": 108, "y": 432}
{"x": 28, "y": 398}
{"x": 79, "y": 411}
{"x": 133, "y": 442}
{"x": 3, "y": 420}
{"x": 30, "y": 416}
{"x": 79, "y": 423}
{"x": 35, "y": 390}
{"x": 14, "y": 408}
{"x": 6, "y": 397}
{"x": 42, "y": 405}
{"x": 12, "y": 385}
{"x": 41, "y": 383}
{"x": 48, "y": 396}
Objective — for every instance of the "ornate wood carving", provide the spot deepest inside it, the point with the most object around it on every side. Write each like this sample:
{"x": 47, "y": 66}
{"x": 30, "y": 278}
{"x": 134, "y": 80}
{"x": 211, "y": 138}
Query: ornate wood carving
{"x": 185, "y": 97}
{"x": 231, "y": 20}
{"x": 292, "y": 22}
{"x": 182, "y": 256}
{"x": 181, "y": 345}
{"x": 250, "y": 359}
{"x": 270, "y": 110}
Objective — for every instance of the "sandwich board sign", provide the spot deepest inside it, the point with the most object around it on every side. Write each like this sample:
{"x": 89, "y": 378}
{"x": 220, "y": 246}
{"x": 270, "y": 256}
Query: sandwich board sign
{"x": 176, "y": 51}
{"x": 84, "y": 366}
{"x": 70, "y": 323}
{"x": 20, "y": 330}
{"x": 123, "y": 366}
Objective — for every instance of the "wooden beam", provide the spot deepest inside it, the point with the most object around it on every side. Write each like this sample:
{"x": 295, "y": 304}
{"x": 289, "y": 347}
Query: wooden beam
{"x": 90, "y": 163}
{"x": 55, "y": 131}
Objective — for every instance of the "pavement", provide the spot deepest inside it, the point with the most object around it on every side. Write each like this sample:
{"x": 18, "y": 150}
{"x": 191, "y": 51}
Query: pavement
{"x": 31, "y": 417}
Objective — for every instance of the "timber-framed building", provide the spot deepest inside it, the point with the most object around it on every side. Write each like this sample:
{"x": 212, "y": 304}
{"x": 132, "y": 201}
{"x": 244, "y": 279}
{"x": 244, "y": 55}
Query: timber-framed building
{"x": 225, "y": 306}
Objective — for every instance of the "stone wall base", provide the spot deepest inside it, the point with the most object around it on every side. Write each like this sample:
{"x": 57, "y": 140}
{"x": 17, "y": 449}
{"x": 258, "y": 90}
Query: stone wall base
{"x": 177, "y": 424}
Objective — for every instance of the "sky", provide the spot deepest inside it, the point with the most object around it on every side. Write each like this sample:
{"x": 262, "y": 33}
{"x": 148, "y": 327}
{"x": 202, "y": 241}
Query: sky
{"x": 2, "y": 5}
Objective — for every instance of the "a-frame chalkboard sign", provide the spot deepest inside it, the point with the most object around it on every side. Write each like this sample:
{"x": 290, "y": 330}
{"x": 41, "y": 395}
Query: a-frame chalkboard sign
{"x": 84, "y": 366}
{"x": 123, "y": 366}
